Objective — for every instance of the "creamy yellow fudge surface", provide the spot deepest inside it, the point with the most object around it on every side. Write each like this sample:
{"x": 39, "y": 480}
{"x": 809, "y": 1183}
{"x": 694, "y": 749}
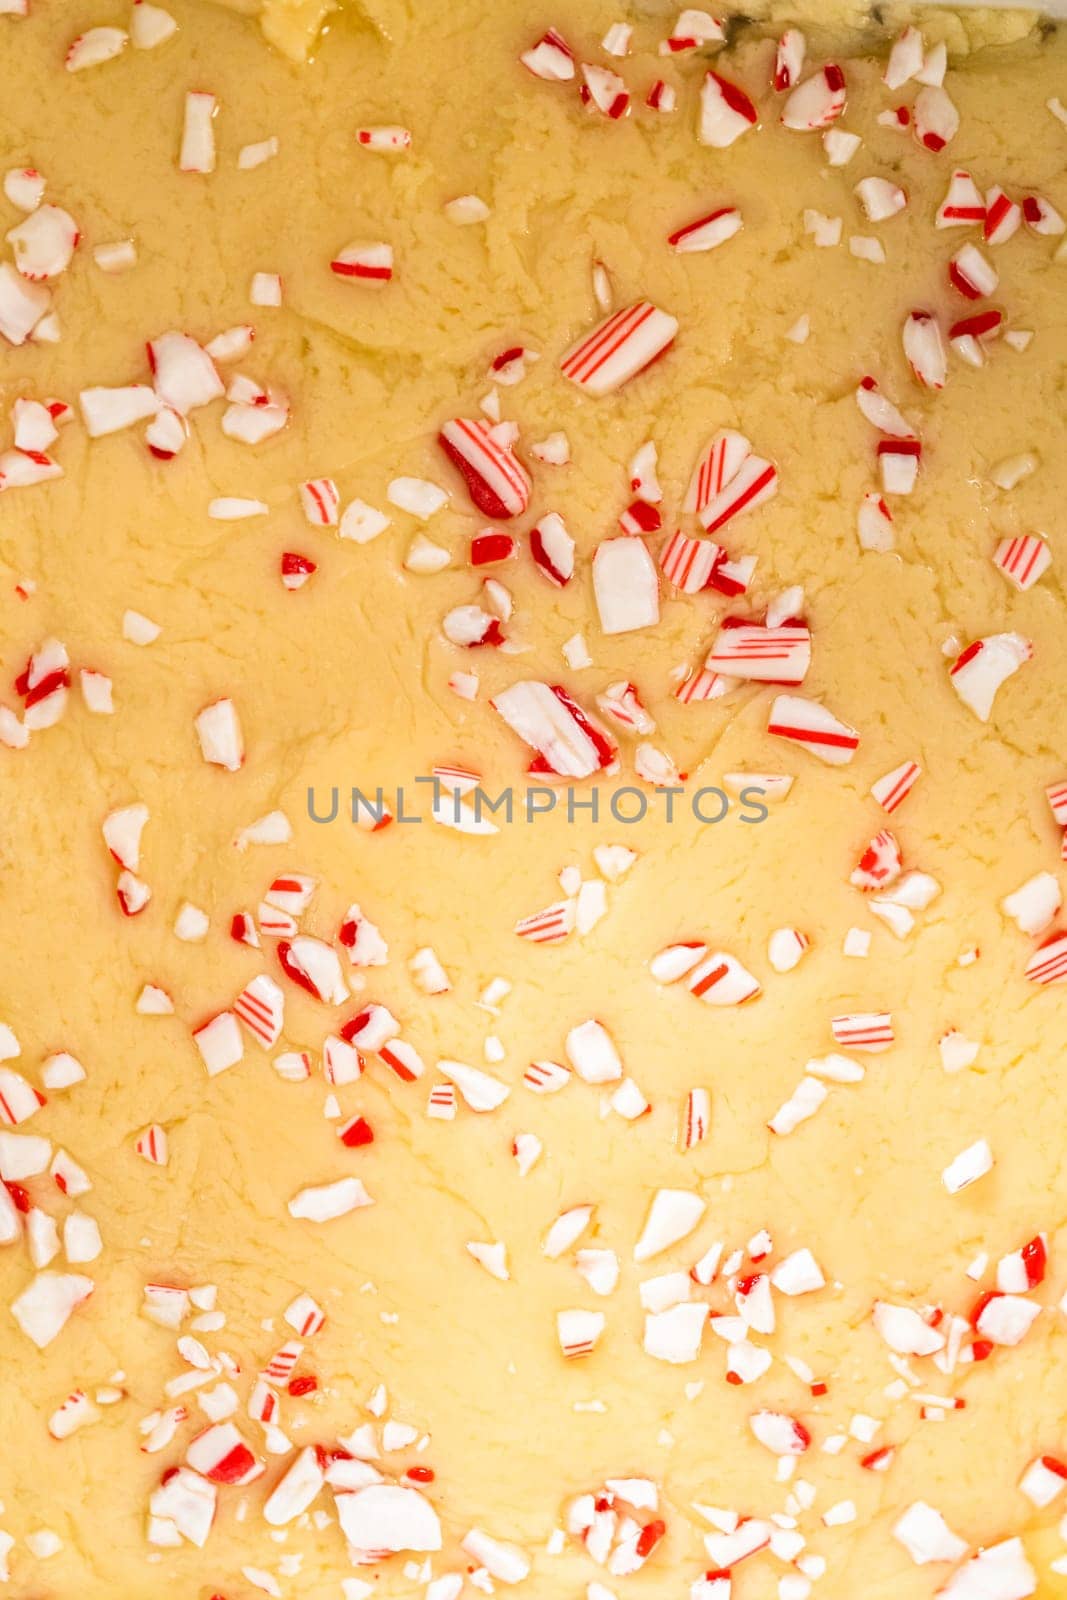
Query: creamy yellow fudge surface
{"x": 580, "y": 407}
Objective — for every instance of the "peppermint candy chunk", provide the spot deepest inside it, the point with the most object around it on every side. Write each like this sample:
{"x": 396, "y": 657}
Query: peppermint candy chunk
{"x": 496, "y": 480}
{"x": 963, "y": 205}
{"x": 625, "y": 585}
{"x": 926, "y": 1536}
{"x": 329, "y": 1201}
{"x": 388, "y": 1518}
{"x": 706, "y": 233}
{"x": 935, "y": 119}
{"x": 369, "y": 263}
{"x": 789, "y": 60}
{"x": 781, "y": 1434}
{"x": 672, "y": 1216}
{"x": 970, "y": 1165}
{"x": 618, "y": 348}
{"x": 43, "y": 1309}
{"x": 970, "y": 273}
{"x": 605, "y": 91}
{"x": 1000, "y": 1572}
{"x": 550, "y": 59}
{"x": 814, "y": 728}
{"x": 762, "y": 654}
{"x": 1023, "y": 560}
{"x": 45, "y": 243}
{"x": 925, "y": 349}
{"x": 817, "y": 102}
{"x": 567, "y": 740}
{"x": 552, "y": 549}
{"x": 978, "y": 672}
{"x": 726, "y": 112}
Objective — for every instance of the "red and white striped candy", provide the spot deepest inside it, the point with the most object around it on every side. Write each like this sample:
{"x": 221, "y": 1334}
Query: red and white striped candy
{"x": 789, "y": 60}
{"x": 762, "y": 654}
{"x": 1048, "y": 964}
{"x": 384, "y": 137}
{"x": 305, "y": 1316}
{"x": 972, "y": 274}
{"x": 219, "y": 1042}
{"x": 696, "y": 1119}
{"x": 874, "y": 523}
{"x": 578, "y": 1332}
{"x": 291, "y": 893}
{"x": 496, "y": 480}
{"x": 980, "y": 670}
{"x": 75, "y": 1412}
{"x": 1039, "y": 214}
{"x": 785, "y": 947}
{"x": 700, "y": 686}
{"x": 549, "y": 926}
{"x": 905, "y": 59}
{"x": 314, "y": 966}
{"x": 810, "y": 725}
{"x": 925, "y": 349}
{"x": 661, "y": 97}
{"x": 692, "y": 29}
{"x": 546, "y": 1077}
{"x": 1056, "y": 794}
{"x": 490, "y": 548}
{"x": 441, "y": 1104}
{"x": 1044, "y": 1480}
{"x": 726, "y": 112}
{"x": 221, "y": 1455}
{"x": 721, "y": 980}
{"x": 403, "y": 1060}
{"x": 880, "y": 864}
{"x": 618, "y": 348}
{"x": 1002, "y": 217}
{"x": 551, "y": 58}
{"x": 45, "y": 243}
{"x": 1006, "y": 1319}
{"x": 370, "y": 263}
{"x": 880, "y": 412}
{"x": 320, "y": 502}
{"x": 817, "y": 102}
{"x": 967, "y": 335}
{"x": 568, "y": 741}
{"x": 122, "y": 831}
{"x": 898, "y": 462}
{"x": 296, "y": 570}
{"x": 605, "y": 91}
{"x": 1023, "y": 560}
{"x": 341, "y": 1063}
{"x": 706, "y": 233}
{"x": 640, "y": 517}
{"x": 371, "y": 1028}
{"x": 19, "y": 1100}
{"x": 895, "y": 787}
{"x": 781, "y": 1434}
{"x": 152, "y": 1145}
{"x": 133, "y": 894}
{"x": 752, "y": 483}
{"x": 261, "y": 1007}
{"x": 688, "y": 563}
{"x": 552, "y": 549}
{"x": 621, "y": 703}
{"x": 963, "y": 205}
{"x": 864, "y": 1030}
{"x": 935, "y": 119}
